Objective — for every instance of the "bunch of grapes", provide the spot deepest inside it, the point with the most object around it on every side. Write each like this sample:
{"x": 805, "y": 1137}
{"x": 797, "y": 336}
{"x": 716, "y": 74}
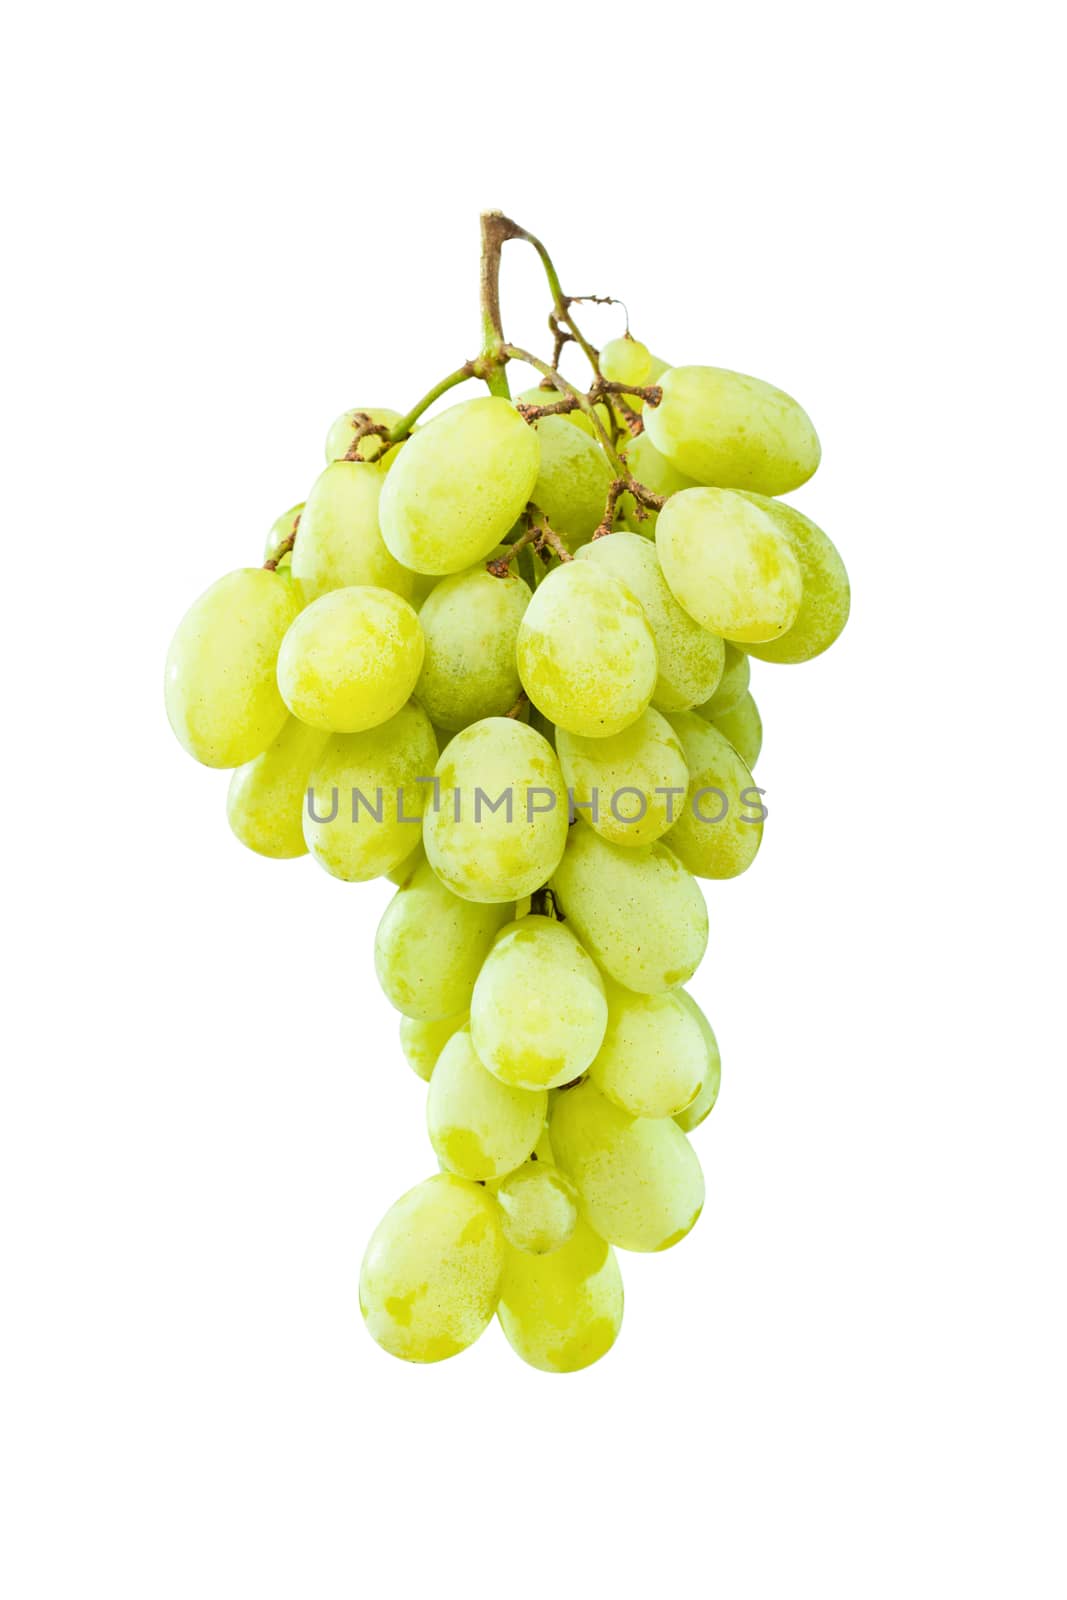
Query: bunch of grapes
{"x": 502, "y": 657}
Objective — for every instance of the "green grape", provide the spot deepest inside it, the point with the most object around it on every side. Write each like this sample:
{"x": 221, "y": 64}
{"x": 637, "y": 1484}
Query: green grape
{"x": 499, "y": 822}
{"x": 479, "y": 1127}
{"x": 458, "y": 486}
{"x": 728, "y": 565}
{"x": 733, "y": 431}
{"x": 732, "y": 685}
{"x": 422, "y": 1042}
{"x": 626, "y": 360}
{"x": 343, "y": 432}
{"x": 430, "y": 946}
{"x": 572, "y": 484}
{"x": 538, "y": 1012}
{"x": 561, "y": 1312}
{"x": 825, "y": 604}
{"x": 430, "y": 1279}
{"x": 471, "y": 622}
{"x": 221, "y": 688}
{"x": 656, "y": 473}
{"x": 404, "y": 871}
{"x": 743, "y": 727}
{"x": 717, "y": 834}
{"x": 639, "y": 1177}
{"x": 281, "y": 530}
{"x": 629, "y": 786}
{"x": 339, "y": 542}
{"x": 539, "y": 1205}
{"x": 422, "y": 586}
{"x": 364, "y": 789}
{"x": 586, "y": 654}
{"x": 265, "y": 804}
{"x": 708, "y": 1093}
{"x": 656, "y": 369}
{"x": 654, "y": 1057}
{"x": 351, "y": 660}
{"x": 690, "y": 658}
{"x": 639, "y": 913}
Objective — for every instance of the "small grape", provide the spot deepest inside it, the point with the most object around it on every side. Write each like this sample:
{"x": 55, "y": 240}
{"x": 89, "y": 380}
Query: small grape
{"x": 351, "y": 659}
{"x": 343, "y": 432}
{"x": 602, "y": 775}
{"x": 339, "y": 542}
{"x": 281, "y": 530}
{"x": 654, "y": 1057}
{"x": 539, "y": 1205}
{"x": 728, "y": 565}
{"x": 422, "y": 1042}
{"x": 708, "y": 1093}
{"x": 715, "y": 835}
{"x": 626, "y": 360}
{"x": 656, "y": 473}
{"x": 573, "y": 481}
{"x": 743, "y": 727}
{"x": 732, "y": 431}
{"x": 479, "y": 1127}
{"x": 825, "y": 603}
{"x": 430, "y": 946}
{"x": 471, "y": 622}
{"x": 562, "y": 1311}
{"x": 265, "y": 804}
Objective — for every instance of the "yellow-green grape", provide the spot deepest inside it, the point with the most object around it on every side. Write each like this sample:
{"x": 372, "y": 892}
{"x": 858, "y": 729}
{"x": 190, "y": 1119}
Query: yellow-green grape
{"x": 458, "y": 485}
{"x": 690, "y": 658}
{"x": 572, "y": 485}
{"x": 351, "y": 659}
{"x": 587, "y": 657}
{"x": 732, "y": 685}
{"x": 538, "y": 1012}
{"x": 265, "y": 804}
{"x": 498, "y": 825}
{"x": 404, "y": 871}
{"x": 343, "y": 432}
{"x": 656, "y": 369}
{"x": 736, "y": 432}
{"x": 430, "y": 947}
{"x": 471, "y": 622}
{"x": 628, "y": 787}
{"x": 430, "y": 1279}
{"x": 422, "y": 587}
{"x": 654, "y": 1058}
{"x": 825, "y": 604}
{"x": 720, "y": 826}
{"x": 422, "y": 1042}
{"x": 729, "y": 565}
{"x": 708, "y": 1093}
{"x": 639, "y": 1177}
{"x": 639, "y": 913}
{"x": 364, "y": 801}
{"x": 339, "y": 542}
{"x": 539, "y": 1205}
{"x": 221, "y": 688}
{"x": 281, "y": 530}
{"x": 479, "y": 1127}
{"x": 656, "y": 473}
{"x": 561, "y": 1312}
{"x": 626, "y": 360}
{"x": 743, "y": 727}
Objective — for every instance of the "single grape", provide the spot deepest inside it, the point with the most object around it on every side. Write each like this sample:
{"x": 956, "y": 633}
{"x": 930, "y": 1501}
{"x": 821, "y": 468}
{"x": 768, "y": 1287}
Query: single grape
{"x": 404, "y": 871}
{"x": 430, "y": 946}
{"x": 639, "y": 913}
{"x": 351, "y": 659}
{"x": 825, "y": 603}
{"x": 422, "y": 1042}
{"x": 743, "y": 727}
{"x": 720, "y": 827}
{"x": 728, "y": 565}
{"x": 639, "y": 1177}
{"x": 539, "y": 1205}
{"x": 281, "y": 530}
{"x": 339, "y": 542}
{"x": 265, "y": 804}
{"x": 538, "y": 1012}
{"x": 221, "y": 689}
{"x": 499, "y": 823}
{"x": 573, "y": 481}
{"x": 708, "y": 1093}
{"x": 562, "y": 1311}
{"x": 343, "y": 432}
{"x": 479, "y": 1127}
{"x": 654, "y": 1057}
{"x": 471, "y": 622}
{"x": 586, "y": 654}
{"x": 732, "y": 685}
{"x": 430, "y": 1279}
{"x": 630, "y": 786}
{"x": 733, "y": 431}
{"x": 656, "y": 473}
{"x": 626, "y": 360}
{"x": 458, "y": 486}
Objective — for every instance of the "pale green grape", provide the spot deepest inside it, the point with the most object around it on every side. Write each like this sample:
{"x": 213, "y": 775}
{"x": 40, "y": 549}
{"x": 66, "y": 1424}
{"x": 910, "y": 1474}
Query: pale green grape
{"x": 404, "y": 871}
{"x": 654, "y": 1058}
{"x": 733, "y": 431}
{"x": 602, "y": 774}
{"x": 728, "y": 564}
{"x": 343, "y": 431}
{"x": 281, "y": 530}
{"x": 422, "y": 1042}
{"x": 656, "y": 369}
{"x": 499, "y": 824}
{"x": 573, "y": 481}
{"x": 430, "y": 946}
{"x": 431, "y": 1275}
{"x": 538, "y": 1011}
{"x": 587, "y": 657}
{"x": 471, "y": 622}
{"x": 540, "y": 1207}
{"x": 719, "y": 828}
{"x": 458, "y": 486}
{"x": 656, "y": 473}
{"x": 221, "y": 688}
{"x": 708, "y": 1093}
{"x": 422, "y": 586}
{"x": 365, "y": 792}
{"x": 825, "y": 604}
{"x": 626, "y": 360}
{"x": 690, "y": 658}
{"x": 562, "y": 1311}
{"x": 265, "y": 804}
{"x": 732, "y": 685}
{"x": 743, "y": 727}
{"x": 351, "y": 659}
{"x": 479, "y": 1127}
{"x": 639, "y": 1177}
{"x": 339, "y": 542}
{"x": 639, "y": 913}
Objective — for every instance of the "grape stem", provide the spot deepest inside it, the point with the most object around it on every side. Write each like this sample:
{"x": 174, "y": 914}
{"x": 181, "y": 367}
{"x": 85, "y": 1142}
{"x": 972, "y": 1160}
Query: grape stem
{"x": 283, "y": 549}
{"x": 643, "y": 498}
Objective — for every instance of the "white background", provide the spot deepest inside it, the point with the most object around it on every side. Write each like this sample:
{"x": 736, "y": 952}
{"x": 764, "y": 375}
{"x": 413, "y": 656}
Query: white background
{"x": 227, "y": 223}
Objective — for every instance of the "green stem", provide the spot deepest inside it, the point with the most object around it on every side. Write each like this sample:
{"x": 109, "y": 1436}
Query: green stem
{"x": 401, "y": 429}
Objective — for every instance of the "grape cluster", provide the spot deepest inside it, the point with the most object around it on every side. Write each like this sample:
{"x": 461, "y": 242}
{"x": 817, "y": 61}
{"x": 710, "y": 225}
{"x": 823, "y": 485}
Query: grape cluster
{"x": 503, "y": 658}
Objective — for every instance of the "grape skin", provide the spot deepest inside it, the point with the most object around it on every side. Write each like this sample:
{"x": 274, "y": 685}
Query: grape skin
{"x": 343, "y": 432}
{"x": 340, "y": 540}
{"x": 351, "y": 660}
{"x": 430, "y": 946}
{"x": 562, "y": 1311}
{"x": 656, "y": 473}
{"x": 422, "y": 1042}
{"x": 265, "y": 803}
{"x": 539, "y": 1206}
{"x": 654, "y": 1058}
{"x": 728, "y": 565}
{"x": 573, "y": 481}
{"x": 743, "y": 727}
{"x": 282, "y": 529}
{"x": 732, "y": 685}
{"x": 825, "y": 604}
{"x": 708, "y": 1094}
{"x": 471, "y": 622}
{"x": 646, "y": 756}
{"x": 722, "y": 846}
{"x": 733, "y": 431}
{"x": 479, "y": 1127}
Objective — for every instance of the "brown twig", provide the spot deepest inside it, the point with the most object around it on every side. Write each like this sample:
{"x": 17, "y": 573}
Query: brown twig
{"x": 642, "y": 496}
